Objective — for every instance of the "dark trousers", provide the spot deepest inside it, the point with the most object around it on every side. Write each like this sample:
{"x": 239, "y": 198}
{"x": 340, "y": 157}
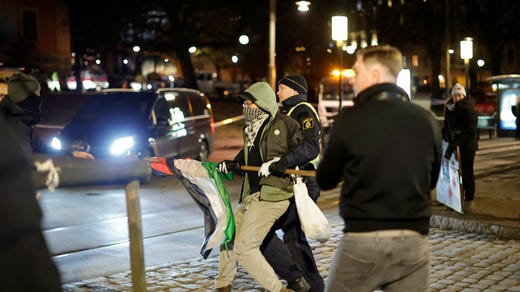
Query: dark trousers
{"x": 467, "y": 158}
{"x": 293, "y": 257}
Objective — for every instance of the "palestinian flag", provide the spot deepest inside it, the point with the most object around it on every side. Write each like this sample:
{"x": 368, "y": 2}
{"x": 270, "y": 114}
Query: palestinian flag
{"x": 204, "y": 184}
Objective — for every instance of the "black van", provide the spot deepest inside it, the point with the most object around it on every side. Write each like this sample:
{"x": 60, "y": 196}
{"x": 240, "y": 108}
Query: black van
{"x": 170, "y": 122}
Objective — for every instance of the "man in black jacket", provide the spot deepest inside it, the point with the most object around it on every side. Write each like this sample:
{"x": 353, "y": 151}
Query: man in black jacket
{"x": 387, "y": 151}
{"x": 460, "y": 129}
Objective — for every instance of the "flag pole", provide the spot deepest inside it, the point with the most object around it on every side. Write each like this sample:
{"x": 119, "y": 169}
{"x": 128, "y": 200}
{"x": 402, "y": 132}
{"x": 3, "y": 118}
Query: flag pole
{"x": 287, "y": 171}
{"x": 257, "y": 168}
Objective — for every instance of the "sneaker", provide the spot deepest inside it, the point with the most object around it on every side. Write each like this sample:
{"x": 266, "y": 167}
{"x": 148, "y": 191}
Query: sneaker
{"x": 299, "y": 285}
{"x": 224, "y": 289}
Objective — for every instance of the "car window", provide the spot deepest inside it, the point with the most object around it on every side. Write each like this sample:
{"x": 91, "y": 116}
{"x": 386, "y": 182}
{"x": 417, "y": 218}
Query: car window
{"x": 181, "y": 104}
{"x": 198, "y": 105}
{"x": 161, "y": 112}
{"x": 113, "y": 107}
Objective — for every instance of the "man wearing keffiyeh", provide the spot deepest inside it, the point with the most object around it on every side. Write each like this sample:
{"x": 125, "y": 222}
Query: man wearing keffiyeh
{"x": 268, "y": 136}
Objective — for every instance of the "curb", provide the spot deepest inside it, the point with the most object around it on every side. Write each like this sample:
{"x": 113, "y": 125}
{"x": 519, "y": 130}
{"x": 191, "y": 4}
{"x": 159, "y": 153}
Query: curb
{"x": 475, "y": 226}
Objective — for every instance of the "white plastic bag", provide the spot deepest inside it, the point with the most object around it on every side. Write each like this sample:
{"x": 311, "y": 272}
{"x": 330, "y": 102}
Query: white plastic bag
{"x": 313, "y": 222}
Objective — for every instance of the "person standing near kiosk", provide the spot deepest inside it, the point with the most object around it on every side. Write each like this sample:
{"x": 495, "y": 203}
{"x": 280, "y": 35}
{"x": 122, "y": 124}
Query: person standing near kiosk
{"x": 460, "y": 129}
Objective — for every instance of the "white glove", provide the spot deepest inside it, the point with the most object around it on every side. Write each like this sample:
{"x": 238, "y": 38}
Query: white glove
{"x": 264, "y": 169}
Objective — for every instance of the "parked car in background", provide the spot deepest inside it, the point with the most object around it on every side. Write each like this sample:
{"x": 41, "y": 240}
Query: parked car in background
{"x": 212, "y": 85}
{"x": 92, "y": 79}
{"x": 170, "y": 122}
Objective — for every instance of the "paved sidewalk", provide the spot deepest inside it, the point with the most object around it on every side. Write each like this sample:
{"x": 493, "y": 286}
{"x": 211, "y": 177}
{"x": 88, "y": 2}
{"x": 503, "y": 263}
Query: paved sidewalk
{"x": 460, "y": 262}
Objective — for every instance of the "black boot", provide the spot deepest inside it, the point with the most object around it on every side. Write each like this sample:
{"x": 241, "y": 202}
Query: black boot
{"x": 299, "y": 285}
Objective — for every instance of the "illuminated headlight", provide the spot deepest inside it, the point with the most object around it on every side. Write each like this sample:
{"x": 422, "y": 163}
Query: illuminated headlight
{"x": 56, "y": 143}
{"x": 122, "y": 145}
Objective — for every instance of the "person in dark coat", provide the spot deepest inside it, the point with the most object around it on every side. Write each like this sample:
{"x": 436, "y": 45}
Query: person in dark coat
{"x": 26, "y": 262}
{"x": 387, "y": 152}
{"x": 296, "y": 263}
{"x": 460, "y": 129}
{"x": 22, "y": 107}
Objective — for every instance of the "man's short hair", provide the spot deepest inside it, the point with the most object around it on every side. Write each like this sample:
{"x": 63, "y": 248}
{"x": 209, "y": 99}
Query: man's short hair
{"x": 386, "y": 55}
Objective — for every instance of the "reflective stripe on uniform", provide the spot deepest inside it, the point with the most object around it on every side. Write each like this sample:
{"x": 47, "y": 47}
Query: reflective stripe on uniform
{"x": 314, "y": 162}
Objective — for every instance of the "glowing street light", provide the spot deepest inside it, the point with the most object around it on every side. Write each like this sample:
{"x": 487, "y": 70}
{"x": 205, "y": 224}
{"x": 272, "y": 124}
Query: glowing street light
{"x": 271, "y": 66}
{"x": 340, "y": 35}
{"x": 466, "y": 53}
{"x": 243, "y": 39}
{"x": 303, "y": 6}
{"x": 339, "y": 28}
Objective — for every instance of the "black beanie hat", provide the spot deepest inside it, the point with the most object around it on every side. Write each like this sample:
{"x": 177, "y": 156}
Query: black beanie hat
{"x": 296, "y": 82}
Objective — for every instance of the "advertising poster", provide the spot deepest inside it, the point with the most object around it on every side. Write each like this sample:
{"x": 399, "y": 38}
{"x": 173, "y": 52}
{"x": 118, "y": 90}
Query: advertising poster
{"x": 449, "y": 185}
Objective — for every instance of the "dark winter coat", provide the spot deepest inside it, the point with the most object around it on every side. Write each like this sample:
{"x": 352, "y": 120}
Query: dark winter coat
{"x": 387, "y": 151}
{"x": 460, "y": 125}
{"x": 277, "y": 138}
{"x": 26, "y": 262}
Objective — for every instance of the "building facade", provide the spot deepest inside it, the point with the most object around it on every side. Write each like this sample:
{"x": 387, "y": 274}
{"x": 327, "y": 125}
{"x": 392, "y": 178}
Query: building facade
{"x": 35, "y": 35}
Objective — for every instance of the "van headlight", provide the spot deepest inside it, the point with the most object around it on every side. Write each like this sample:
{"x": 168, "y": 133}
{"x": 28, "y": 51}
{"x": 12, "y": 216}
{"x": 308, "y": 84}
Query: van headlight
{"x": 56, "y": 143}
{"x": 122, "y": 145}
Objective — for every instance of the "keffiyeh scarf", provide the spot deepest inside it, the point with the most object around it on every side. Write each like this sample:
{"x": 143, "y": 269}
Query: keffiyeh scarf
{"x": 254, "y": 118}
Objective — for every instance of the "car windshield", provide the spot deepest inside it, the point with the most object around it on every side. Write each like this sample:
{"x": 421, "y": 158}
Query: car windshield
{"x": 116, "y": 107}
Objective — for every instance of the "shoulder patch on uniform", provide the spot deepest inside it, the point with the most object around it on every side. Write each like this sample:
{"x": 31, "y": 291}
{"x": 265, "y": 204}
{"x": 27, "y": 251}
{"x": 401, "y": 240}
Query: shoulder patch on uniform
{"x": 308, "y": 123}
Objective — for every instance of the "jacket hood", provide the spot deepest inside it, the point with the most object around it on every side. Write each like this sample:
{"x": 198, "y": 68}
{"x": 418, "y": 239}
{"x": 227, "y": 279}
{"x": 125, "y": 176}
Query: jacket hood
{"x": 263, "y": 96}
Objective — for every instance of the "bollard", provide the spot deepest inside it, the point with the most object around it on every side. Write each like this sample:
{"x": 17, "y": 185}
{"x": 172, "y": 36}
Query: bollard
{"x": 135, "y": 232}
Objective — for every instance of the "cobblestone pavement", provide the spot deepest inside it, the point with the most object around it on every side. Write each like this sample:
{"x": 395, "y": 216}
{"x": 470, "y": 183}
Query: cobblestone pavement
{"x": 460, "y": 262}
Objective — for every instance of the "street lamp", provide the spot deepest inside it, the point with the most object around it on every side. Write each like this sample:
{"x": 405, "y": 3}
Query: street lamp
{"x": 340, "y": 35}
{"x": 447, "y": 80}
{"x": 271, "y": 70}
{"x": 234, "y": 60}
{"x": 466, "y": 53}
{"x": 480, "y": 64}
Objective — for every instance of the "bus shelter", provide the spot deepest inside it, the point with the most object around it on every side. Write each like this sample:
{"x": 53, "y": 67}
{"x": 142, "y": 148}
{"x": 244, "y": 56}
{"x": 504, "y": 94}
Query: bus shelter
{"x": 507, "y": 88}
